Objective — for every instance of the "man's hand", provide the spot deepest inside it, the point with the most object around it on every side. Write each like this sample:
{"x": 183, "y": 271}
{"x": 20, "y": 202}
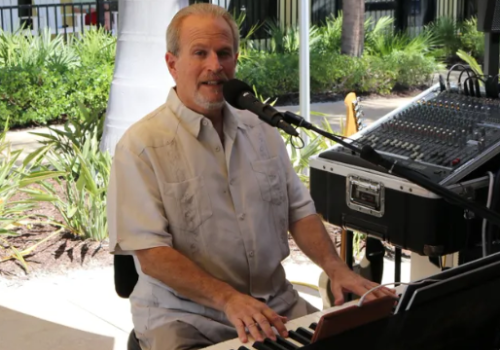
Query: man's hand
{"x": 245, "y": 311}
{"x": 343, "y": 280}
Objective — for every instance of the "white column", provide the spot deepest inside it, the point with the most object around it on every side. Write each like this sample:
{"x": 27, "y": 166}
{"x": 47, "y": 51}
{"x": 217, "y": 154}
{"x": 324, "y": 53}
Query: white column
{"x": 141, "y": 80}
{"x": 305, "y": 19}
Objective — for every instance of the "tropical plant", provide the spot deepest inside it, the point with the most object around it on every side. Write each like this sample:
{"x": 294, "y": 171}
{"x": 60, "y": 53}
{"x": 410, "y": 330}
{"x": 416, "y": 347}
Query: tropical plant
{"x": 301, "y": 153}
{"x": 472, "y": 40}
{"x": 84, "y": 170}
{"x": 286, "y": 40}
{"x": 14, "y": 176}
{"x": 28, "y": 51}
{"x": 471, "y": 61}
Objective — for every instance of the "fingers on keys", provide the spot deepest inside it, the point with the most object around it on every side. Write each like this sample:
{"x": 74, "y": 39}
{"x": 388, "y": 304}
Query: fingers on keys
{"x": 260, "y": 326}
{"x": 240, "y": 329}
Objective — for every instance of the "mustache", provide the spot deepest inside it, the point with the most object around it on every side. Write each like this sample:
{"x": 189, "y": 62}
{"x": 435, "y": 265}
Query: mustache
{"x": 221, "y": 76}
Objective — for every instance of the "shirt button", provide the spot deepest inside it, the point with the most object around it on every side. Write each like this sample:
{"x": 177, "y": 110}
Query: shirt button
{"x": 251, "y": 254}
{"x": 217, "y": 149}
{"x": 242, "y": 217}
{"x": 205, "y": 122}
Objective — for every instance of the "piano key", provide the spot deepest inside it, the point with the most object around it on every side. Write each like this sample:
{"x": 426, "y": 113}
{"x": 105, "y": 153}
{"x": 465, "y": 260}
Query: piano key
{"x": 311, "y": 320}
{"x": 301, "y": 339}
{"x": 272, "y": 344}
{"x": 286, "y": 343}
{"x": 260, "y": 346}
{"x": 305, "y": 333}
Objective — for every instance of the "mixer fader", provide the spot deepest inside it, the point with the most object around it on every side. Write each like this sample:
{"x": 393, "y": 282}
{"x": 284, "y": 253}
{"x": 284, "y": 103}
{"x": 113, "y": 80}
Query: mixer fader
{"x": 440, "y": 134}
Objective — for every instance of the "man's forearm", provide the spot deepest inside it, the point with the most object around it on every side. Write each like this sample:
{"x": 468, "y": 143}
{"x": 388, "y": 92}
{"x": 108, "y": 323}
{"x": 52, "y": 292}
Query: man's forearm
{"x": 185, "y": 277}
{"x": 310, "y": 235}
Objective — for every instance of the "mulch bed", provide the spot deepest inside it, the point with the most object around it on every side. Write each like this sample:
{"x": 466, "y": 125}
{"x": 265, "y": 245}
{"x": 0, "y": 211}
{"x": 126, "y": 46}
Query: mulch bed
{"x": 58, "y": 254}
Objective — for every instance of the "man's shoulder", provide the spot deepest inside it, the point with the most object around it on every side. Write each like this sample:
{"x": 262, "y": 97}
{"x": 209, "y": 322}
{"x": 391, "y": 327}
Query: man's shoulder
{"x": 156, "y": 129}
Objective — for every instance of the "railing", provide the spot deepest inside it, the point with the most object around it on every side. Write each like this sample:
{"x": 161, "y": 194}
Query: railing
{"x": 62, "y": 18}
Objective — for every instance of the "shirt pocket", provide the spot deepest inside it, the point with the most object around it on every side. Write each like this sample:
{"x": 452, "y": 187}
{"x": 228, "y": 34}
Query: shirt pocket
{"x": 271, "y": 179}
{"x": 187, "y": 204}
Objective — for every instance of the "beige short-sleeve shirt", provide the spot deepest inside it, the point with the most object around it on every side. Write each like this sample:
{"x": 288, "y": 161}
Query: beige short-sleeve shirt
{"x": 226, "y": 207}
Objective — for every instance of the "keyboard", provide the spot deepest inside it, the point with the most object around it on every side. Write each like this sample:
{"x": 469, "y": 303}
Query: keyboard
{"x": 300, "y": 332}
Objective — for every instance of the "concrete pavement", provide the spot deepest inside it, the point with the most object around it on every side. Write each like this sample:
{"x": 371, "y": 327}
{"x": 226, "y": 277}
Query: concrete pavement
{"x": 81, "y": 311}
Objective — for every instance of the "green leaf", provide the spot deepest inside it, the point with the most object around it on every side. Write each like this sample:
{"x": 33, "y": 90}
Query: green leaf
{"x": 36, "y": 177}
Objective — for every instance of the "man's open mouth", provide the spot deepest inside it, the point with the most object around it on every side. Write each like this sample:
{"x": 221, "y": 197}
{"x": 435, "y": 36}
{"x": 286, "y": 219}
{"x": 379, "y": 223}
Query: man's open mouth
{"x": 213, "y": 82}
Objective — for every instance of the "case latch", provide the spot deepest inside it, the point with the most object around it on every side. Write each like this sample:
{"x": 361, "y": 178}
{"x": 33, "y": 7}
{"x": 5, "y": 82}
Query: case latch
{"x": 365, "y": 195}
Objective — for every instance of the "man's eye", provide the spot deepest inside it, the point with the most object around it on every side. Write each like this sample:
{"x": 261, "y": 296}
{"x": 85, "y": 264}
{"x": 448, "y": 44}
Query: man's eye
{"x": 200, "y": 53}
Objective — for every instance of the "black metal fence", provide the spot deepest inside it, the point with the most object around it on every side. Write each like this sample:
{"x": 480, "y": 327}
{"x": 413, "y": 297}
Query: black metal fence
{"x": 409, "y": 15}
{"x": 63, "y": 18}
{"x": 66, "y": 18}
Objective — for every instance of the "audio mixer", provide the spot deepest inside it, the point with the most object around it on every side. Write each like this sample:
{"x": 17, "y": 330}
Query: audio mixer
{"x": 451, "y": 139}
{"x": 442, "y": 135}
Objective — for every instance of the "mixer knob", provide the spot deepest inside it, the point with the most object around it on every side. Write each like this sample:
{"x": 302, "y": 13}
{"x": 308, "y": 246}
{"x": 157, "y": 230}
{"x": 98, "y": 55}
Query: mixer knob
{"x": 481, "y": 144}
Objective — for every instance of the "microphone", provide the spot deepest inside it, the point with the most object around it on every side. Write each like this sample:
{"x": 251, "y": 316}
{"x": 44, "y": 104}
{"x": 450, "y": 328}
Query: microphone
{"x": 239, "y": 95}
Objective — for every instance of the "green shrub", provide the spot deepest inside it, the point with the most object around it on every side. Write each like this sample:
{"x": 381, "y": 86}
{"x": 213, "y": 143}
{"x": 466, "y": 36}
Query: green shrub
{"x": 273, "y": 74}
{"x": 471, "y": 39}
{"x": 32, "y": 95}
{"x": 42, "y": 79}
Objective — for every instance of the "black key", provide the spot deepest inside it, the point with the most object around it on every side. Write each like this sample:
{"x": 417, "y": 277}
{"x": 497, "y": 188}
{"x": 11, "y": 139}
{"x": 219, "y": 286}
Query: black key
{"x": 261, "y": 346}
{"x": 243, "y": 348}
{"x": 273, "y": 344}
{"x": 305, "y": 333}
{"x": 299, "y": 338}
{"x": 313, "y": 326}
{"x": 285, "y": 343}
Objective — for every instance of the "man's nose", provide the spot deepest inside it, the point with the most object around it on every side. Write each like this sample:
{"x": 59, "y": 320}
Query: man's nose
{"x": 214, "y": 62}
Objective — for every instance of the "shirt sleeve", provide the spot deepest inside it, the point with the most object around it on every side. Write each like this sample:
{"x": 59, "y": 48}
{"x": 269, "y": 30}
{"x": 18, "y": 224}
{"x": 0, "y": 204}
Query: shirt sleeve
{"x": 136, "y": 216}
{"x": 300, "y": 201}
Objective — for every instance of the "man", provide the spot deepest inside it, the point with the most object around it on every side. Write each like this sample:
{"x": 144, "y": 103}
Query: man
{"x": 203, "y": 196}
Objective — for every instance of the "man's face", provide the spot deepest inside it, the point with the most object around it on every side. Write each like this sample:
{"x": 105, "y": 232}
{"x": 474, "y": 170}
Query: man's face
{"x": 206, "y": 59}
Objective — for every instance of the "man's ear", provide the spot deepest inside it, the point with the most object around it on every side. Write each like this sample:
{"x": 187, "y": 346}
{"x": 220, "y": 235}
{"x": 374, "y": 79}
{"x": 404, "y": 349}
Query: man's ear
{"x": 236, "y": 58}
{"x": 171, "y": 60}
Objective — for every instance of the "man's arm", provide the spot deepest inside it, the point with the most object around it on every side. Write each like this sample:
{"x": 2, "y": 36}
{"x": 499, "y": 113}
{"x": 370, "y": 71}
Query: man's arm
{"x": 185, "y": 277}
{"x": 312, "y": 238}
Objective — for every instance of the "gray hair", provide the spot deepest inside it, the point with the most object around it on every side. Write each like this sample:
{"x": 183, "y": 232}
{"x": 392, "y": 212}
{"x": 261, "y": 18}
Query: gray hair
{"x": 174, "y": 28}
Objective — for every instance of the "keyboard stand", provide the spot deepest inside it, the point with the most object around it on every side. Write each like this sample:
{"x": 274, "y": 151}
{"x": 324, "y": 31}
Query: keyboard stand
{"x": 349, "y": 259}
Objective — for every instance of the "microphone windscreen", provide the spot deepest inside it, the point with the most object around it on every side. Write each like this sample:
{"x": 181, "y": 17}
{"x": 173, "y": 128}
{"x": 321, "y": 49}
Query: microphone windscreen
{"x": 233, "y": 89}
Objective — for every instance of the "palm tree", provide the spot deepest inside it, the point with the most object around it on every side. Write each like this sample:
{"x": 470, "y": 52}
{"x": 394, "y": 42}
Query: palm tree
{"x": 141, "y": 80}
{"x": 353, "y": 31}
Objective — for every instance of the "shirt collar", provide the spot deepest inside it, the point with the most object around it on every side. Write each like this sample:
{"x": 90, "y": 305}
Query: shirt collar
{"x": 192, "y": 120}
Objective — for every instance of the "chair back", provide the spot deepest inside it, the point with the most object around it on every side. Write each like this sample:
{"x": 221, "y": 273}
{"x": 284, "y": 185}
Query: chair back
{"x": 125, "y": 275}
